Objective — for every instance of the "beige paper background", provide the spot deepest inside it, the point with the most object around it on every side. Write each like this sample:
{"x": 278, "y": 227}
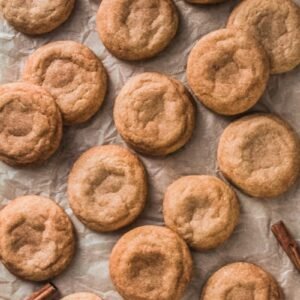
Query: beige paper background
{"x": 252, "y": 241}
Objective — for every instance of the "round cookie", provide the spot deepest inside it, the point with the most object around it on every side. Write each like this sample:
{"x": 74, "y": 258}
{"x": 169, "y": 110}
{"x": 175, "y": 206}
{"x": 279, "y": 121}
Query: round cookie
{"x": 74, "y": 76}
{"x": 260, "y": 155}
{"x": 276, "y": 25}
{"x": 107, "y": 188}
{"x": 228, "y": 71}
{"x": 36, "y": 238}
{"x": 155, "y": 114}
{"x": 36, "y": 17}
{"x": 136, "y": 30}
{"x": 82, "y": 296}
{"x": 30, "y": 124}
{"x": 203, "y": 210}
{"x": 150, "y": 263}
{"x": 241, "y": 281}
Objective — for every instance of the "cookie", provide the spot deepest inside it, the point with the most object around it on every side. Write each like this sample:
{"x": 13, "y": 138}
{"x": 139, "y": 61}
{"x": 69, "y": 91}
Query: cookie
{"x": 107, "y": 188}
{"x": 154, "y": 114}
{"x": 74, "y": 76}
{"x": 136, "y": 30}
{"x": 260, "y": 155}
{"x": 203, "y": 210}
{"x": 276, "y": 25}
{"x": 151, "y": 262}
{"x": 241, "y": 281}
{"x": 30, "y": 124}
{"x": 82, "y": 296}
{"x": 205, "y": 1}
{"x": 36, "y": 238}
{"x": 228, "y": 71}
{"x": 36, "y": 17}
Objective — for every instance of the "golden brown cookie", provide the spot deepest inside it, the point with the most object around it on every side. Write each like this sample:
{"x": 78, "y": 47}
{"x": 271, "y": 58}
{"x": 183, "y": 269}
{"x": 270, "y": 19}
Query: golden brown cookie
{"x": 228, "y": 71}
{"x": 30, "y": 124}
{"x": 150, "y": 263}
{"x": 203, "y": 210}
{"x": 276, "y": 25}
{"x": 136, "y": 30}
{"x": 155, "y": 114}
{"x": 241, "y": 281}
{"x": 36, "y": 238}
{"x": 82, "y": 296}
{"x": 107, "y": 188}
{"x": 205, "y": 1}
{"x": 36, "y": 17}
{"x": 260, "y": 154}
{"x": 74, "y": 76}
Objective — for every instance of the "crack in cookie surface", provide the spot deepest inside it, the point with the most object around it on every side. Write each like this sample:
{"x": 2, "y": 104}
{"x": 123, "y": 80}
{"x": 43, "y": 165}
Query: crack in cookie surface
{"x": 107, "y": 188}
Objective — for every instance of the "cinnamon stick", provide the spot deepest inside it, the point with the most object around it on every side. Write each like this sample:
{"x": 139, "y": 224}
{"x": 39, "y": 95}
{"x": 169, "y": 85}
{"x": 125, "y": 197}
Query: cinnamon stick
{"x": 287, "y": 242}
{"x": 45, "y": 293}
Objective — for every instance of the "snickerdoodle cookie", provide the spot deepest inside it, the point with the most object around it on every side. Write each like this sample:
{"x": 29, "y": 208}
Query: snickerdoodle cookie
{"x": 150, "y": 263}
{"x": 260, "y": 154}
{"x": 205, "y": 1}
{"x": 228, "y": 71}
{"x": 135, "y": 30}
{"x": 276, "y": 25}
{"x": 74, "y": 76}
{"x": 36, "y": 238}
{"x": 30, "y": 124}
{"x": 154, "y": 114}
{"x": 36, "y": 17}
{"x": 107, "y": 188}
{"x": 203, "y": 210}
{"x": 241, "y": 281}
{"x": 82, "y": 296}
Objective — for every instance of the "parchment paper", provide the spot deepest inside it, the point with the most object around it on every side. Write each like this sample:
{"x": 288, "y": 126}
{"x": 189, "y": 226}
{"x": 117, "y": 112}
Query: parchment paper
{"x": 252, "y": 241}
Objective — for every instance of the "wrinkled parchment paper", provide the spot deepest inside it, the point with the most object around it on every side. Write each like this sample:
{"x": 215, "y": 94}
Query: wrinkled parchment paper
{"x": 252, "y": 241}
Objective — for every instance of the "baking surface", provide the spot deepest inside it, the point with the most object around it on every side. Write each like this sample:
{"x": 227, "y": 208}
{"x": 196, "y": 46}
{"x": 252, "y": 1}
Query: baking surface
{"x": 252, "y": 241}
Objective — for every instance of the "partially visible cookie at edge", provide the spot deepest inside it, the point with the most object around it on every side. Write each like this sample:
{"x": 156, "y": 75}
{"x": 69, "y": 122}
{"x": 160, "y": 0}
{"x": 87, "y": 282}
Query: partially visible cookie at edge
{"x": 241, "y": 280}
{"x": 36, "y": 17}
{"x": 37, "y": 239}
{"x": 30, "y": 124}
{"x": 151, "y": 262}
{"x": 260, "y": 154}
{"x": 228, "y": 71}
{"x": 74, "y": 76}
{"x": 202, "y": 209}
{"x": 205, "y": 1}
{"x": 154, "y": 114}
{"x": 82, "y": 296}
{"x": 136, "y": 30}
{"x": 276, "y": 25}
{"x": 107, "y": 188}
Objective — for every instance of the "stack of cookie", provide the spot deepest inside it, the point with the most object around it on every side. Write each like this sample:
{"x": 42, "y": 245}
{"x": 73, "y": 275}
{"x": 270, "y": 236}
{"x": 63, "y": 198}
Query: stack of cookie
{"x": 65, "y": 83}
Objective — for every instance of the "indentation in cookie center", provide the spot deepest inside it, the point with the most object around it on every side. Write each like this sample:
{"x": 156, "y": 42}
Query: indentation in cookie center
{"x": 264, "y": 151}
{"x": 60, "y": 73}
{"x": 241, "y": 292}
{"x": 17, "y": 119}
{"x": 147, "y": 268}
